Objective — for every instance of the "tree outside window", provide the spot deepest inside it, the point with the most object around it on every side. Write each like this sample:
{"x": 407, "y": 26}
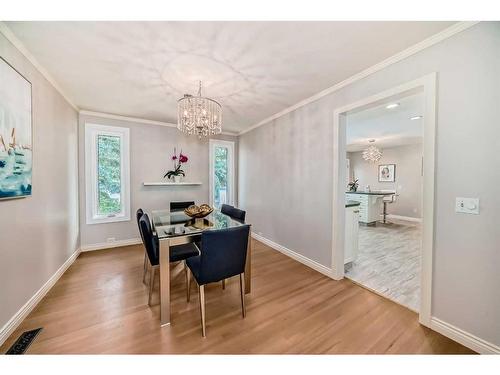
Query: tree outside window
{"x": 109, "y": 174}
{"x": 220, "y": 175}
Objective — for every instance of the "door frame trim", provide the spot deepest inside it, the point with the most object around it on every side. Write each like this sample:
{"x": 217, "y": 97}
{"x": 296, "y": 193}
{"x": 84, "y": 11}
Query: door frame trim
{"x": 428, "y": 83}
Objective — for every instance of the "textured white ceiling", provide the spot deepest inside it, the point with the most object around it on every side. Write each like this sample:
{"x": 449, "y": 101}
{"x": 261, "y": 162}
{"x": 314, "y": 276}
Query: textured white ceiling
{"x": 254, "y": 69}
{"x": 389, "y": 127}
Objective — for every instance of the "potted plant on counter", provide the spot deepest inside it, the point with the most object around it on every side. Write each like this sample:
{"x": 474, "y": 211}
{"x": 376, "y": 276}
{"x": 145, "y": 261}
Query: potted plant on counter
{"x": 353, "y": 186}
{"x": 177, "y": 172}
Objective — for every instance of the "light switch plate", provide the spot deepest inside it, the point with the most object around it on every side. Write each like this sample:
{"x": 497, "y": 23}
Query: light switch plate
{"x": 467, "y": 205}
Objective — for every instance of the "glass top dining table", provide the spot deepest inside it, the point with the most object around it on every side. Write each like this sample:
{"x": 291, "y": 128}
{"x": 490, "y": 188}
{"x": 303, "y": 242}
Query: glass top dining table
{"x": 176, "y": 228}
{"x": 170, "y": 224}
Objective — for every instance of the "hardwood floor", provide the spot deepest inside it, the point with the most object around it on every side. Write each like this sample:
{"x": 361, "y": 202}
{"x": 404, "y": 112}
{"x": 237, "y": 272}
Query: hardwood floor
{"x": 100, "y": 306}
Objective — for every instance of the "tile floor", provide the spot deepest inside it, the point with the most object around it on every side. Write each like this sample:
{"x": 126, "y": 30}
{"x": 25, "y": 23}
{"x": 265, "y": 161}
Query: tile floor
{"x": 389, "y": 261}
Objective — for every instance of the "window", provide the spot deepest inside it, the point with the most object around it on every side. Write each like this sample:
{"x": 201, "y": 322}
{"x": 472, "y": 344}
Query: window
{"x": 221, "y": 172}
{"x": 107, "y": 167}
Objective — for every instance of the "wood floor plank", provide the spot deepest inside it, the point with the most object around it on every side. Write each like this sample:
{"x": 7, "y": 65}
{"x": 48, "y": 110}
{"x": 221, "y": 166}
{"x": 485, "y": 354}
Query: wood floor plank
{"x": 100, "y": 306}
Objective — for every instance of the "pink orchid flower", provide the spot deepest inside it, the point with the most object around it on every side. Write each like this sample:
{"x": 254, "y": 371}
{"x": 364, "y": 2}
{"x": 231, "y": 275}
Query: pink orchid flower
{"x": 183, "y": 158}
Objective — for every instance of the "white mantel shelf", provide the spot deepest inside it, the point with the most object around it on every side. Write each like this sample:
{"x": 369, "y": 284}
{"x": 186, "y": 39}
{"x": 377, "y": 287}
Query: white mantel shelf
{"x": 171, "y": 183}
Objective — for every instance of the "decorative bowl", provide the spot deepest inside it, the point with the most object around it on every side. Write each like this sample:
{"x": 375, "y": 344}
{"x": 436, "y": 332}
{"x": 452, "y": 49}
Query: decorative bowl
{"x": 198, "y": 212}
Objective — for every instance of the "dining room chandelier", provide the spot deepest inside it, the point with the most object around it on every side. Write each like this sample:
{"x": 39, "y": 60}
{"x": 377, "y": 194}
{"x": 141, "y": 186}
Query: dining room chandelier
{"x": 372, "y": 153}
{"x": 199, "y": 115}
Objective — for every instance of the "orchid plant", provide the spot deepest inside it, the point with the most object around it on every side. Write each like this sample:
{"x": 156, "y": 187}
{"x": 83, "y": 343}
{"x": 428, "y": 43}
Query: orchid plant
{"x": 178, "y": 162}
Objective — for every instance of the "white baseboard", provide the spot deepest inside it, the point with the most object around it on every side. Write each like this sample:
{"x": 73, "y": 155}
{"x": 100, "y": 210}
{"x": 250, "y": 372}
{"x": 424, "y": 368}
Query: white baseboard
{"x": 464, "y": 338}
{"x": 23, "y": 312}
{"x": 109, "y": 245}
{"x": 407, "y": 218}
{"x": 298, "y": 257}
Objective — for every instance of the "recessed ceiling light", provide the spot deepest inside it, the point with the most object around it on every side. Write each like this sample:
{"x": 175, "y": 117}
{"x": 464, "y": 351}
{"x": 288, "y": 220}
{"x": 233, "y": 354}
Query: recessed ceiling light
{"x": 416, "y": 117}
{"x": 392, "y": 105}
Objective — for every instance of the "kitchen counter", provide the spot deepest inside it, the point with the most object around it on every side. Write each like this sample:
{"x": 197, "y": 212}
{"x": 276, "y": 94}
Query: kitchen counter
{"x": 370, "y": 192}
{"x": 370, "y": 204}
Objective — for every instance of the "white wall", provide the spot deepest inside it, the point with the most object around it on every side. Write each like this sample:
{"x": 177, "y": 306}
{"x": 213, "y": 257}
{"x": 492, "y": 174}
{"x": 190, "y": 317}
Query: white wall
{"x": 408, "y": 183}
{"x": 286, "y": 174}
{"x": 151, "y": 147}
{"x": 39, "y": 233}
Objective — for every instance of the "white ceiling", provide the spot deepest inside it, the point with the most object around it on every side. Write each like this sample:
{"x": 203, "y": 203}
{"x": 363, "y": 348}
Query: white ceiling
{"x": 388, "y": 127}
{"x": 255, "y": 69}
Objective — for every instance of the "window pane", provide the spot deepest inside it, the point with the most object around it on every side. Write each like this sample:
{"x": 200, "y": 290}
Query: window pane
{"x": 108, "y": 174}
{"x": 220, "y": 176}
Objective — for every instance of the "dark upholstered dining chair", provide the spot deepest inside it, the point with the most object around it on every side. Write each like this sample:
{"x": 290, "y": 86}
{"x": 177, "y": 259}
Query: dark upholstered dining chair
{"x": 236, "y": 214}
{"x": 138, "y": 216}
{"x": 179, "y": 206}
{"x": 223, "y": 255}
{"x": 151, "y": 243}
{"x": 233, "y": 212}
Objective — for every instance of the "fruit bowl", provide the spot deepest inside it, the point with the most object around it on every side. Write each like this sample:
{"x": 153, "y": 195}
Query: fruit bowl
{"x": 198, "y": 211}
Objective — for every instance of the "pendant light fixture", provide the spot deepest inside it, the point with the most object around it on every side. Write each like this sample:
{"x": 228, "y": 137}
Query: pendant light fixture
{"x": 372, "y": 153}
{"x": 199, "y": 115}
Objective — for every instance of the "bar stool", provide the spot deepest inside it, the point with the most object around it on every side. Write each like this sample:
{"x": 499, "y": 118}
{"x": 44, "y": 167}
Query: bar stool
{"x": 387, "y": 199}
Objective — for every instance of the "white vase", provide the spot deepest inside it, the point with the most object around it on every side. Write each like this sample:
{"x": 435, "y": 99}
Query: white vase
{"x": 177, "y": 179}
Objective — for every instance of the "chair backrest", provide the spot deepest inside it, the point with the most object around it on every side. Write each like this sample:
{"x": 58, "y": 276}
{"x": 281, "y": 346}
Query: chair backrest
{"x": 234, "y": 212}
{"x": 226, "y": 209}
{"x": 224, "y": 253}
{"x": 238, "y": 214}
{"x": 178, "y": 206}
{"x": 138, "y": 216}
{"x": 149, "y": 239}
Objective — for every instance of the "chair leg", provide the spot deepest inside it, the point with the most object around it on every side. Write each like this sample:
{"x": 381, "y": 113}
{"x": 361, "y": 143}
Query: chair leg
{"x": 242, "y": 292}
{"x": 224, "y": 284}
{"x": 202, "y": 308}
{"x": 145, "y": 269}
{"x": 151, "y": 284}
{"x": 188, "y": 283}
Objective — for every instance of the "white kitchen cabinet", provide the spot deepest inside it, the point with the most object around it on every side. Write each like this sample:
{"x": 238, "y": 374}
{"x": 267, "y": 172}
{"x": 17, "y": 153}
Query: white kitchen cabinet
{"x": 370, "y": 206}
{"x": 351, "y": 234}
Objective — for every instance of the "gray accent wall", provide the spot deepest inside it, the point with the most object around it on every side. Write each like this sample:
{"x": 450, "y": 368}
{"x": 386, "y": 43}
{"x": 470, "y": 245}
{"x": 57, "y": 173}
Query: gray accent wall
{"x": 38, "y": 234}
{"x": 408, "y": 184}
{"x": 151, "y": 147}
{"x": 286, "y": 180}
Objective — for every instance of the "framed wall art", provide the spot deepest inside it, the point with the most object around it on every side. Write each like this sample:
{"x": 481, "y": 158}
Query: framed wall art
{"x": 16, "y": 136}
{"x": 387, "y": 173}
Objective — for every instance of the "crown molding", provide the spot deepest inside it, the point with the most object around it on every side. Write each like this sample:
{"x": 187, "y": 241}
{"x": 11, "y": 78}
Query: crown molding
{"x": 12, "y": 38}
{"x": 111, "y": 116}
{"x": 426, "y": 43}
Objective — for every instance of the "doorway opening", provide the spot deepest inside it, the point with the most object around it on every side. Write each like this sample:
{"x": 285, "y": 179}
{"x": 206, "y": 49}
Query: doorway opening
{"x": 383, "y": 206}
{"x": 384, "y": 198}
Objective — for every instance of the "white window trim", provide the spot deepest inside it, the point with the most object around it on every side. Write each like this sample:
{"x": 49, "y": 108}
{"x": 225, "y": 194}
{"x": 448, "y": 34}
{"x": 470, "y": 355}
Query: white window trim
{"x": 230, "y": 146}
{"x": 91, "y": 133}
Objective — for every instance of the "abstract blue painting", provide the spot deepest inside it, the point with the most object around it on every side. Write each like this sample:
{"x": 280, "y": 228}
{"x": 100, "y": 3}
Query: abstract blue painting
{"x": 15, "y": 133}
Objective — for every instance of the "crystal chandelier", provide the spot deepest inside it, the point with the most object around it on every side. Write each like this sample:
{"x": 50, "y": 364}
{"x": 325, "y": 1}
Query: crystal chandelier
{"x": 199, "y": 115}
{"x": 372, "y": 153}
